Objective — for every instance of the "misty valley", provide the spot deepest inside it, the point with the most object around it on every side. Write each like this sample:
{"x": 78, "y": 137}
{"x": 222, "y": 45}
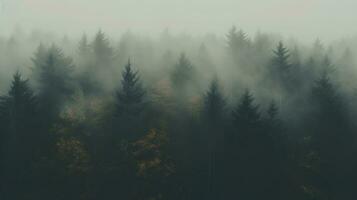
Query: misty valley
{"x": 177, "y": 117}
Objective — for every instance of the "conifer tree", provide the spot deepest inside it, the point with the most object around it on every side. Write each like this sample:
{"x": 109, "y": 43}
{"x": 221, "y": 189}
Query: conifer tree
{"x": 103, "y": 52}
{"x": 54, "y": 81}
{"x": 84, "y": 49}
{"x": 331, "y": 135}
{"x": 281, "y": 59}
{"x": 183, "y": 72}
{"x": 130, "y": 103}
{"x": 40, "y": 56}
{"x": 250, "y": 152}
{"x": 214, "y": 108}
{"x": 330, "y": 115}
{"x": 19, "y": 137}
{"x": 246, "y": 116}
{"x": 214, "y": 104}
{"x": 237, "y": 40}
{"x": 281, "y": 69}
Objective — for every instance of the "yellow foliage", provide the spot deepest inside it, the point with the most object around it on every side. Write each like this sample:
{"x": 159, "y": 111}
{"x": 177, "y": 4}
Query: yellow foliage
{"x": 72, "y": 152}
{"x": 150, "y": 155}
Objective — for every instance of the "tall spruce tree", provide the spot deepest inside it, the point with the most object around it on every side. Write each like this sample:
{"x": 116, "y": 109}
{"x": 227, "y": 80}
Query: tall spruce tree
{"x": 183, "y": 72}
{"x": 246, "y": 116}
{"x": 249, "y": 153}
{"x": 277, "y": 153}
{"x": 84, "y": 48}
{"x": 54, "y": 81}
{"x": 281, "y": 60}
{"x": 214, "y": 104}
{"x": 237, "y": 40}
{"x": 281, "y": 68}
{"x": 213, "y": 115}
{"x": 332, "y": 137}
{"x": 130, "y": 104}
{"x": 19, "y": 138}
{"x": 103, "y": 52}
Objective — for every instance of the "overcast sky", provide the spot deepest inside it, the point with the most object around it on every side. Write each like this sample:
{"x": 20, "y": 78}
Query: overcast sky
{"x": 304, "y": 19}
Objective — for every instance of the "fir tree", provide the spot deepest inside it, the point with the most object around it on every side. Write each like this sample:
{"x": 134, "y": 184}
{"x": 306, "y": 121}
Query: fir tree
{"x": 84, "y": 48}
{"x": 281, "y": 59}
{"x": 250, "y": 151}
{"x": 19, "y": 137}
{"x": 130, "y": 102}
{"x": 237, "y": 40}
{"x": 183, "y": 72}
{"x": 214, "y": 109}
{"x": 103, "y": 52}
{"x": 331, "y": 136}
{"x": 246, "y": 116}
{"x": 54, "y": 81}
{"x": 214, "y": 104}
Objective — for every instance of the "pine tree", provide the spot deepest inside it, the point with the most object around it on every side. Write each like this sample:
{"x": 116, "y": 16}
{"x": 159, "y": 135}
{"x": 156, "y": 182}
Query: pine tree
{"x": 40, "y": 55}
{"x": 214, "y": 109}
{"x": 54, "y": 81}
{"x": 277, "y": 152}
{"x": 19, "y": 137}
{"x": 130, "y": 102}
{"x": 103, "y": 52}
{"x": 214, "y": 104}
{"x": 330, "y": 114}
{"x": 239, "y": 47}
{"x": 274, "y": 128}
{"x": 87, "y": 77}
{"x": 281, "y": 59}
{"x": 237, "y": 40}
{"x": 249, "y": 153}
{"x": 331, "y": 135}
{"x": 84, "y": 48}
{"x": 272, "y": 116}
{"x": 246, "y": 116}
{"x": 19, "y": 103}
{"x": 281, "y": 69}
{"x": 183, "y": 72}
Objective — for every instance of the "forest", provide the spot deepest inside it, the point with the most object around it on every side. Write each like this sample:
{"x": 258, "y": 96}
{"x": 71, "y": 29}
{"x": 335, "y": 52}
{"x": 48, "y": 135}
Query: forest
{"x": 177, "y": 117}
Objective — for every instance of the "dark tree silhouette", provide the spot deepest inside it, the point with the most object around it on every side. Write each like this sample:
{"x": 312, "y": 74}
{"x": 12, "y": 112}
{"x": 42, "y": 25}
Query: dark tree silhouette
{"x": 246, "y": 116}
{"x": 183, "y": 73}
{"x": 331, "y": 137}
{"x": 19, "y": 138}
{"x": 281, "y": 69}
{"x": 130, "y": 104}
{"x": 54, "y": 81}
{"x": 214, "y": 104}
{"x": 213, "y": 116}
{"x": 103, "y": 52}
{"x": 250, "y": 151}
{"x": 281, "y": 60}
{"x": 237, "y": 40}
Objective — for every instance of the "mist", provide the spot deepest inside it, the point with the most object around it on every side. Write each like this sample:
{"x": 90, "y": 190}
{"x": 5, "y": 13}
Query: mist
{"x": 304, "y": 19}
{"x": 178, "y": 100}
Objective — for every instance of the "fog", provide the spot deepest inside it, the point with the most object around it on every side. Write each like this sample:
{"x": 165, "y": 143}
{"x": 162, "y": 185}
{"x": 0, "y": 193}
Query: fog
{"x": 303, "y": 19}
{"x": 178, "y": 100}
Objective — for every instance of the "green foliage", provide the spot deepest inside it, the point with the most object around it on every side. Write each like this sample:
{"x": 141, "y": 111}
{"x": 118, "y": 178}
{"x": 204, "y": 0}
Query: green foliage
{"x": 214, "y": 103}
{"x": 130, "y": 105}
{"x": 246, "y": 115}
{"x": 183, "y": 72}
{"x": 54, "y": 80}
{"x": 19, "y": 137}
{"x": 103, "y": 52}
{"x": 281, "y": 60}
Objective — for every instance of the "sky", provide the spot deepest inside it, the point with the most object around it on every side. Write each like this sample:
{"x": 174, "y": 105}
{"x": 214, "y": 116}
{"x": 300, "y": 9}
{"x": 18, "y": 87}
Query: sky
{"x": 304, "y": 19}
